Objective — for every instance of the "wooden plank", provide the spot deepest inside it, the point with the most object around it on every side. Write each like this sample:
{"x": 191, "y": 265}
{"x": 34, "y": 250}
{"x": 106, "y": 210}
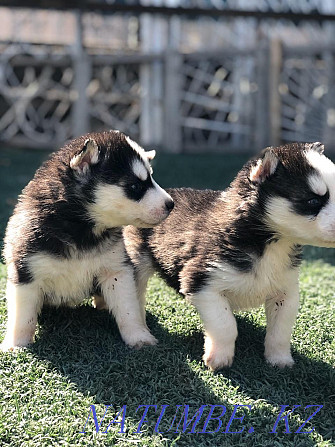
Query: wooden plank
{"x": 307, "y": 50}
{"x": 219, "y": 54}
{"x": 262, "y": 119}
{"x": 52, "y": 60}
{"x": 206, "y": 102}
{"x": 274, "y": 95}
{"x": 82, "y": 76}
{"x": 172, "y": 119}
{"x": 328, "y": 136}
{"x": 201, "y": 123}
{"x": 127, "y": 59}
{"x": 136, "y": 8}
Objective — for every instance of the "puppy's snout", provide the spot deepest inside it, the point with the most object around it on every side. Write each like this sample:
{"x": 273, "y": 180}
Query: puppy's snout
{"x": 169, "y": 204}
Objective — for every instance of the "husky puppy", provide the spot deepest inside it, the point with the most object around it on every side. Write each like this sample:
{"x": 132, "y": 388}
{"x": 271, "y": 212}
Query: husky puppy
{"x": 241, "y": 248}
{"x": 64, "y": 239}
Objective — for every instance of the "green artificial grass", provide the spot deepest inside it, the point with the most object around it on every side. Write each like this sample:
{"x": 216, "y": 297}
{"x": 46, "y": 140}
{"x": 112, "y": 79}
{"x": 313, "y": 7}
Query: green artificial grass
{"x": 79, "y": 360}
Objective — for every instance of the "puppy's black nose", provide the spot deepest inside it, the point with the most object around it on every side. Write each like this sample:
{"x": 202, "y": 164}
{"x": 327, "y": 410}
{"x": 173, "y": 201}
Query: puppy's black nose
{"x": 169, "y": 205}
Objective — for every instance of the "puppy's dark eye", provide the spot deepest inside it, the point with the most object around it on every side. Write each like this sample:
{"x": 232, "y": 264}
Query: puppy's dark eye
{"x": 316, "y": 202}
{"x": 311, "y": 204}
{"x": 137, "y": 187}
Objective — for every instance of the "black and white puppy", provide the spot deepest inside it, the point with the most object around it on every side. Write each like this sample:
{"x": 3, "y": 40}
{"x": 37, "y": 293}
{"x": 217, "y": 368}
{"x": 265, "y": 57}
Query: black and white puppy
{"x": 64, "y": 239}
{"x": 241, "y": 248}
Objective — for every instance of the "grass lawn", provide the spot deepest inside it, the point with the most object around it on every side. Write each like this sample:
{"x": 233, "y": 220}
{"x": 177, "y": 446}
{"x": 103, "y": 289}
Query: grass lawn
{"x": 79, "y": 360}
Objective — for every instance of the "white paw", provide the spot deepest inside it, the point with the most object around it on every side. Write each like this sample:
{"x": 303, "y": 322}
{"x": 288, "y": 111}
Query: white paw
{"x": 5, "y": 347}
{"x": 218, "y": 357}
{"x": 8, "y": 345}
{"x": 139, "y": 338}
{"x": 281, "y": 360}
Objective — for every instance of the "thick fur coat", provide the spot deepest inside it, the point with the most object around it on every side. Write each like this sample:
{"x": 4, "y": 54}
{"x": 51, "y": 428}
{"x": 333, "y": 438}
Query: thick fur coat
{"x": 241, "y": 248}
{"x": 64, "y": 240}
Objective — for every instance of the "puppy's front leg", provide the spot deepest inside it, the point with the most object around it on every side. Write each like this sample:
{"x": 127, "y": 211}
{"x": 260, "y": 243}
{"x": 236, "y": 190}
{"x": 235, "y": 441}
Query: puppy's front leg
{"x": 281, "y": 312}
{"x": 220, "y": 328}
{"x": 120, "y": 296}
{"x": 23, "y": 304}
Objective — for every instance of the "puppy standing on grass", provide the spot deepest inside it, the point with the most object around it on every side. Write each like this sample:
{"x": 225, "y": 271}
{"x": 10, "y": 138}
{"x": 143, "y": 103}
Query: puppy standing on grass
{"x": 64, "y": 240}
{"x": 241, "y": 248}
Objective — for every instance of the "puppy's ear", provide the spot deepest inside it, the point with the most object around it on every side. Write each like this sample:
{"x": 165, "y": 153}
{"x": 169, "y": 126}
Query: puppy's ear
{"x": 317, "y": 146}
{"x": 89, "y": 155}
{"x": 264, "y": 168}
{"x": 150, "y": 155}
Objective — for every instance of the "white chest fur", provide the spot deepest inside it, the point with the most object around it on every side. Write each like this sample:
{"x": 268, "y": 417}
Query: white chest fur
{"x": 70, "y": 280}
{"x": 271, "y": 275}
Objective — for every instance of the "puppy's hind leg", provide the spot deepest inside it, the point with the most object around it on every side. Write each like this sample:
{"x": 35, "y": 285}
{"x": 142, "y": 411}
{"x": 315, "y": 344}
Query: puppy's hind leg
{"x": 281, "y": 312}
{"x": 23, "y": 305}
{"x": 119, "y": 292}
{"x": 220, "y": 328}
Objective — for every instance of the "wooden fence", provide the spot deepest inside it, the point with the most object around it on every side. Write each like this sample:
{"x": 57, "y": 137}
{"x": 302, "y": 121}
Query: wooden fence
{"x": 230, "y": 97}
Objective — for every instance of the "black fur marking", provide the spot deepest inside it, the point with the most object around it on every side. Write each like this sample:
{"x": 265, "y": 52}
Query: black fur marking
{"x": 135, "y": 188}
{"x": 311, "y": 204}
{"x": 23, "y": 274}
{"x": 296, "y": 256}
{"x": 194, "y": 278}
{"x": 293, "y": 165}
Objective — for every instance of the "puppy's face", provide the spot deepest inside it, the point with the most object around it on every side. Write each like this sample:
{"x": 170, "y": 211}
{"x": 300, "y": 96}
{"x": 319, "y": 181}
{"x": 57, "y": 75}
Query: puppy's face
{"x": 123, "y": 190}
{"x": 297, "y": 186}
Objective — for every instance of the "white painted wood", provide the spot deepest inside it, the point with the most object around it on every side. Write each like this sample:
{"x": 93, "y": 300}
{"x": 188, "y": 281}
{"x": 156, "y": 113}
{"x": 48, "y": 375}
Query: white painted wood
{"x": 82, "y": 76}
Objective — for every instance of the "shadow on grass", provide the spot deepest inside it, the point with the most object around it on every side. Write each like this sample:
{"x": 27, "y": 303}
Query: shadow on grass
{"x": 85, "y": 347}
{"x": 94, "y": 358}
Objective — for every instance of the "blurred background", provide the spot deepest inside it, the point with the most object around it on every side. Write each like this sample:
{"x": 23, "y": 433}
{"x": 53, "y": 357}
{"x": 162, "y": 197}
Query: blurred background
{"x": 207, "y": 83}
{"x": 184, "y": 76}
